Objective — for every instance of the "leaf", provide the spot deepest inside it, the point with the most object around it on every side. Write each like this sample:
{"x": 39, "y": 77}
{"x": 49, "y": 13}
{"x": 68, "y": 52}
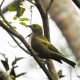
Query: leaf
{"x": 60, "y": 74}
{"x": 17, "y": 7}
{"x": 16, "y": 59}
{"x": 10, "y": 22}
{"x": 15, "y": 17}
{"x": 21, "y": 74}
{"x": 20, "y": 11}
{"x": 23, "y": 24}
{"x": 2, "y": 20}
{"x": 12, "y": 7}
{"x": 24, "y": 19}
{"x": 12, "y": 72}
{"x": 5, "y": 64}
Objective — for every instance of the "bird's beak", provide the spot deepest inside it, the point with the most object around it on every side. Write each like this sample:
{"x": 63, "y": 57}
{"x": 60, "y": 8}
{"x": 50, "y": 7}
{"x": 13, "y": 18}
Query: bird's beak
{"x": 29, "y": 26}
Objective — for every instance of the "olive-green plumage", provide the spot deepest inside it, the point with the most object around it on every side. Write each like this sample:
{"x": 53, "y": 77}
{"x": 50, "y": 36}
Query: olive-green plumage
{"x": 43, "y": 47}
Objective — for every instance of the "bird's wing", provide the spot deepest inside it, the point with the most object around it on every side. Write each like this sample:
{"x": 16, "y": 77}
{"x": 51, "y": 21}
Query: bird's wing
{"x": 48, "y": 44}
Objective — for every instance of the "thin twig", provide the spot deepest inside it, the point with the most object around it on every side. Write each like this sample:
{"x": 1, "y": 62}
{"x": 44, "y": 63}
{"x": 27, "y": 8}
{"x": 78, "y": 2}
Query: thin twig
{"x": 70, "y": 69}
{"x": 77, "y": 2}
{"x": 12, "y": 45}
{"x": 6, "y": 20}
{"x": 2, "y": 3}
{"x": 21, "y": 38}
{"x": 11, "y": 30}
{"x": 31, "y": 15}
{"x": 18, "y": 44}
{"x": 31, "y": 2}
{"x": 49, "y": 6}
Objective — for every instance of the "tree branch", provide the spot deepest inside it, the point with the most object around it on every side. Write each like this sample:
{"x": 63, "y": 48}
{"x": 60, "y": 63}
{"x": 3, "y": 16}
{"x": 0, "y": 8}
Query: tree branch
{"x": 12, "y": 31}
{"x": 18, "y": 44}
{"x": 49, "y": 6}
{"x": 5, "y": 9}
{"x": 44, "y": 16}
{"x": 20, "y": 37}
{"x": 1, "y": 3}
{"x": 77, "y": 2}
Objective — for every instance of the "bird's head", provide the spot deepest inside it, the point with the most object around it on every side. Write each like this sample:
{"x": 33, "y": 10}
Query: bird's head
{"x": 36, "y": 28}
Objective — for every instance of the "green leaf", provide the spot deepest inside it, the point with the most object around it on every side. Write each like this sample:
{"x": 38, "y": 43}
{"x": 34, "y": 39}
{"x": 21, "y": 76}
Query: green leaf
{"x": 23, "y": 24}
{"x": 2, "y": 20}
{"x": 10, "y": 22}
{"x": 24, "y": 19}
{"x": 15, "y": 17}
{"x": 22, "y": 11}
{"x": 12, "y": 7}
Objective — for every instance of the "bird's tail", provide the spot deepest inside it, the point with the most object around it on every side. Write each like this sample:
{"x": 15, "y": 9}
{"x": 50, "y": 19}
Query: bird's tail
{"x": 68, "y": 61}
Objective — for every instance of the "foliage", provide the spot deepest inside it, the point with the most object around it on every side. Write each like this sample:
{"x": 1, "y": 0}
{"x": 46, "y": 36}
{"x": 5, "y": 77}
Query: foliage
{"x": 12, "y": 70}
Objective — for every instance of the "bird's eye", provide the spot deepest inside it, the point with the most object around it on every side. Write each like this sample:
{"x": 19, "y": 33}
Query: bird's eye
{"x": 34, "y": 25}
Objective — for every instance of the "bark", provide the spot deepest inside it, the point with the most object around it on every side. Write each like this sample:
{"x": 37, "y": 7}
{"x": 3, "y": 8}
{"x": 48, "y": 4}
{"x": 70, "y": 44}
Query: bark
{"x": 21, "y": 38}
{"x": 44, "y": 17}
{"x": 77, "y": 2}
{"x": 67, "y": 19}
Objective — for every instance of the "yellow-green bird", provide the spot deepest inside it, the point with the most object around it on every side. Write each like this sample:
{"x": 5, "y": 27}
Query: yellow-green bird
{"x": 44, "y": 48}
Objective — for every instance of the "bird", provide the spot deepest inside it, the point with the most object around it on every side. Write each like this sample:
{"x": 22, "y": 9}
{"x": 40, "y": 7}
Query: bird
{"x": 44, "y": 48}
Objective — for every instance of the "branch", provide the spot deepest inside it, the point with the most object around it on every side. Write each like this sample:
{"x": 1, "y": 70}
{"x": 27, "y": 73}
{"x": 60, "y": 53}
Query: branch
{"x": 49, "y": 6}
{"x": 31, "y": 2}
{"x": 1, "y": 3}
{"x": 12, "y": 31}
{"x": 18, "y": 44}
{"x": 20, "y": 37}
{"x": 6, "y": 20}
{"x": 5, "y": 9}
{"x": 44, "y": 16}
{"x": 77, "y": 2}
{"x": 11, "y": 34}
